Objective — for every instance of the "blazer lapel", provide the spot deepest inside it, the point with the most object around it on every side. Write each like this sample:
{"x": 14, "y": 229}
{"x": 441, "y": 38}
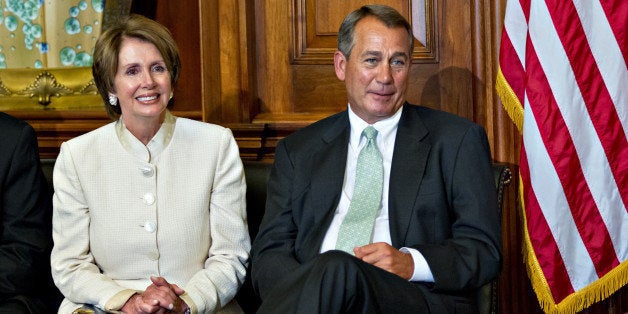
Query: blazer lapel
{"x": 328, "y": 170}
{"x": 408, "y": 166}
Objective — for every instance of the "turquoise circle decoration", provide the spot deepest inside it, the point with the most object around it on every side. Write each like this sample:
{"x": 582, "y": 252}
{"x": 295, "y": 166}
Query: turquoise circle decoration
{"x": 83, "y": 5}
{"x": 98, "y": 5}
{"x": 67, "y": 56}
{"x": 83, "y": 59}
{"x": 11, "y": 23}
{"x": 72, "y": 26}
{"x": 74, "y": 11}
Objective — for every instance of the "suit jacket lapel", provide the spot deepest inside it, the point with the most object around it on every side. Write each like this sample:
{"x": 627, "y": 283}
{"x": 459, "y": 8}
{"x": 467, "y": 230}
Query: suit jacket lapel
{"x": 408, "y": 166}
{"x": 328, "y": 165}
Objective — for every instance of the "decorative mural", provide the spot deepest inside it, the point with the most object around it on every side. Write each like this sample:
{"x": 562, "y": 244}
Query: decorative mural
{"x": 49, "y": 34}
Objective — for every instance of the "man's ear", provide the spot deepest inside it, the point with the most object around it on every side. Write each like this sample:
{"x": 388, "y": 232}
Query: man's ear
{"x": 340, "y": 64}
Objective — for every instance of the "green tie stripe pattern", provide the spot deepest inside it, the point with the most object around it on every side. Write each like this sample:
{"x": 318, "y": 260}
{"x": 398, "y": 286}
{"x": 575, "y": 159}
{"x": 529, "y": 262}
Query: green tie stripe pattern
{"x": 357, "y": 227}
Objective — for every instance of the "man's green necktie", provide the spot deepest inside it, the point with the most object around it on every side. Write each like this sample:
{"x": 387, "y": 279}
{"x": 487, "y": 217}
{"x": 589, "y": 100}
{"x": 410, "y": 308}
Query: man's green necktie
{"x": 357, "y": 227}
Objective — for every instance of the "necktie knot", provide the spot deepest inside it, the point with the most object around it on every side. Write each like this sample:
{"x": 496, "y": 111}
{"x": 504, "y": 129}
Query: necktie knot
{"x": 370, "y": 132}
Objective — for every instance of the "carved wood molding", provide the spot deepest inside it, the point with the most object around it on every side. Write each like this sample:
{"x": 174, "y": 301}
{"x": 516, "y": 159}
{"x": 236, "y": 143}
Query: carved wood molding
{"x": 48, "y": 88}
{"x": 315, "y": 38}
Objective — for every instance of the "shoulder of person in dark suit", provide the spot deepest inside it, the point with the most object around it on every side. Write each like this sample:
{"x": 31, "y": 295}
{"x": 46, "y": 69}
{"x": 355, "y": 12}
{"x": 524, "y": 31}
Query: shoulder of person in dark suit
{"x": 26, "y": 219}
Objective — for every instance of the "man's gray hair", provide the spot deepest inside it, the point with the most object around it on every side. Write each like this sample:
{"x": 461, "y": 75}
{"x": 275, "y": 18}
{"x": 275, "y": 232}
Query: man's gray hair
{"x": 387, "y": 15}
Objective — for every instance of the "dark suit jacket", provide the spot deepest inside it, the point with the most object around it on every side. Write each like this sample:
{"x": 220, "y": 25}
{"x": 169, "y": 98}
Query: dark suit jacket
{"x": 442, "y": 198}
{"x": 25, "y": 219}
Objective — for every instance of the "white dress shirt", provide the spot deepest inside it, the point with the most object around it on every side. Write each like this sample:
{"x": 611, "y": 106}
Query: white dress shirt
{"x": 386, "y": 134}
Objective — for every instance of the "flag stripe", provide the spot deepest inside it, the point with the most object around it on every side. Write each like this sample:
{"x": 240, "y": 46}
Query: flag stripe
{"x": 603, "y": 44}
{"x": 545, "y": 248}
{"x": 549, "y": 75}
{"x": 512, "y": 53}
{"x": 596, "y": 97}
{"x": 571, "y": 70}
{"x": 554, "y": 206}
{"x": 515, "y": 74}
{"x": 609, "y": 139}
{"x": 608, "y": 192}
{"x": 511, "y": 74}
{"x": 516, "y": 28}
{"x": 617, "y": 13}
{"x": 525, "y": 6}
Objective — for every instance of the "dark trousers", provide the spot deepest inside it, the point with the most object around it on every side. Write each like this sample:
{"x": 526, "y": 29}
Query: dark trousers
{"x": 23, "y": 305}
{"x": 336, "y": 282}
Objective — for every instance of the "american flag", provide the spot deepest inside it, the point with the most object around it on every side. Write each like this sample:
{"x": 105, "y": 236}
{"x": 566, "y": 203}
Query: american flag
{"x": 564, "y": 82}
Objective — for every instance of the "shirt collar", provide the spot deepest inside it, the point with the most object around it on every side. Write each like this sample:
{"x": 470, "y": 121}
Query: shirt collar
{"x": 154, "y": 147}
{"x": 385, "y": 128}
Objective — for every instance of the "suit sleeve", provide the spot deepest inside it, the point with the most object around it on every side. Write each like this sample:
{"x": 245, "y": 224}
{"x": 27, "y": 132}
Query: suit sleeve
{"x": 73, "y": 266}
{"x": 25, "y": 213}
{"x": 225, "y": 269}
{"x": 273, "y": 248}
{"x": 470, "y": 257}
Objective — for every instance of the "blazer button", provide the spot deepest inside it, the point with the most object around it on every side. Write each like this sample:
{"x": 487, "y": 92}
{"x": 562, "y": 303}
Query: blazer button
{"x": 149, "y": 198}
{"x": 150, "y": 226}
{"x": 147, "y": 171}
{"x": 153, "y": 256}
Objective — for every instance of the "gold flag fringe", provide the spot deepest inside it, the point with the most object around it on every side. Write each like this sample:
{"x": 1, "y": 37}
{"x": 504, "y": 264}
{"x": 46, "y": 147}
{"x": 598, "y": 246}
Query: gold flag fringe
{"x": 511, "y": 103}
{"x": 596, "y": 291}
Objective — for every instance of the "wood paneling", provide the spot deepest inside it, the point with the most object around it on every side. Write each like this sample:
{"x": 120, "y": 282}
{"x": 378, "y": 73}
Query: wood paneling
{"x": 182, "y": 19}
{"x": 296, "y": 78}
{"x": 316, "y": 22}
{"x": 454, "y": 70}
{"x": 264, "y": 69}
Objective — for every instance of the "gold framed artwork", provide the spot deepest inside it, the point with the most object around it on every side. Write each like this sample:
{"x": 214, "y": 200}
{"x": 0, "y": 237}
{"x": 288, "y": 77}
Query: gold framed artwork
{"x": 46, "y": 51}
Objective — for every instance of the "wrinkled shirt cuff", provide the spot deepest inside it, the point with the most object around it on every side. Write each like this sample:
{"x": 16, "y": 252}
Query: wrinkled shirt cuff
{"x": 422, "y": 271}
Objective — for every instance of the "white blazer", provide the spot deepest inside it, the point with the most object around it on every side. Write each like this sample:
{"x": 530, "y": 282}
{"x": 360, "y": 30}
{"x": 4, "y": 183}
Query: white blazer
{"x": 119, "y": 219}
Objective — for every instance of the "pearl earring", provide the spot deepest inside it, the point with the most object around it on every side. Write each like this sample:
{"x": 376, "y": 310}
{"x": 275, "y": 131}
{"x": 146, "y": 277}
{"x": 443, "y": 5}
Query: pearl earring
{"x": 171, "y": 95}
{"x": 113, "y": 100}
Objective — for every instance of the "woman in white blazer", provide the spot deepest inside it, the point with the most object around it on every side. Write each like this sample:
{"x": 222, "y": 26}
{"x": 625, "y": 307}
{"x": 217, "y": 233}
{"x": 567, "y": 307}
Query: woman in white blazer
{"x": 149, "y": 210}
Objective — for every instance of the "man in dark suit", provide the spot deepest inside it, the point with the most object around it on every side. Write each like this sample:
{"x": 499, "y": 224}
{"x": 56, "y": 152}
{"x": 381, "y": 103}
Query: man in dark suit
{"x": 436, "y": 234}
{"x": 25, "y": 223}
